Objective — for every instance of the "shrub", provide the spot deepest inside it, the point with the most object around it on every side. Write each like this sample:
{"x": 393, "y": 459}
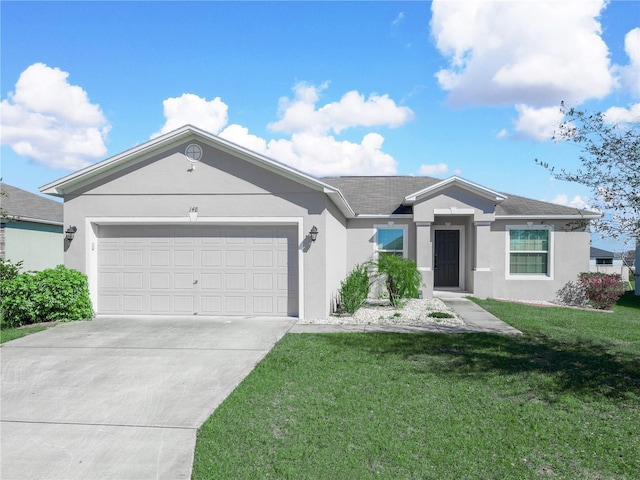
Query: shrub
{"x": 401, "y": 277}
{"x": 441, "y": 315}
{"x": 603, "y": 290}
{"x": 354, "y": 290}
{"x": 57, "y": 294}
{"x": 573, "y": 294}
{"x": 9, "y": 270}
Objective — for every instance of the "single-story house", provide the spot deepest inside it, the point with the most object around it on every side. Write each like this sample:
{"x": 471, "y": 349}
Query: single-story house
{"x": 188, "y": 223}
{"x": 31, "y": 229}
{"x": 604, "y": 261}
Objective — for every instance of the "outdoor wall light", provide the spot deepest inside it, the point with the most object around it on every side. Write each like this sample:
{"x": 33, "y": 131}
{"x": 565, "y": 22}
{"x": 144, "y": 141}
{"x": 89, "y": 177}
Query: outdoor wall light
{"x": 313, "y": 233}
{"x": 71, "y": 232}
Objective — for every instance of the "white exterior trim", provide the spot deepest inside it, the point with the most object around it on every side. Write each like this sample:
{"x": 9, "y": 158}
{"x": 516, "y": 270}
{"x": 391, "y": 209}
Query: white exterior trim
{"x": 91, "y": 241}
{"x": 461, "y": 253}
{"x": 550, "y": 259}
{"x": 462, "y": 183}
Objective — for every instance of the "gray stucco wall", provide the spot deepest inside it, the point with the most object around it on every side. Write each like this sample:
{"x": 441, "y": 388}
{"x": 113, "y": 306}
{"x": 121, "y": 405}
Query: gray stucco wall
{"x": 570, "y": 257}
{"x": 162, "y": 188}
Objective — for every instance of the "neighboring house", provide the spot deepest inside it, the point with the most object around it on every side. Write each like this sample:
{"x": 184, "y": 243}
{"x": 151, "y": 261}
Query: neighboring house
{"x": 188, "y": 223}
{"x": 607, "y": 262}
{"x": 30, "y": 229}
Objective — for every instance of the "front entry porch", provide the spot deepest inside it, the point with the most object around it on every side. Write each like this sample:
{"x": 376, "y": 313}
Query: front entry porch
{"x": 453, "y": 256}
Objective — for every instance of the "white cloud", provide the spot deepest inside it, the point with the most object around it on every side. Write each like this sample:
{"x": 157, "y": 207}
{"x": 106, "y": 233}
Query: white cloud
{"x": 240, "y": 136}
{"x": 538, "y": 123}
{"x": 209, "y": 115}
{"x": 623, "y": 115}
{"x": 538, "y": 53}
{"x": 576, "y": 202}
{"x": 398, "y": 19}
{"x": 630, "y": 74}
{"x": 310, "y": 147}
{"x": 436, "y": 169}
{"x": 51, "y": 121}
{"x": 300, "y": 114}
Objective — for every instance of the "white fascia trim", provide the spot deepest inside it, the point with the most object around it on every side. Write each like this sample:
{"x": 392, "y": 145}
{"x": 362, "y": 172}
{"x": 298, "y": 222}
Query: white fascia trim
{"x": 593, "y": 216}
{"x": 91, "y": 245}
{"x": 390, "y": 215}
{"x": 465, "y": 184}
{"x": 12, "y": 218}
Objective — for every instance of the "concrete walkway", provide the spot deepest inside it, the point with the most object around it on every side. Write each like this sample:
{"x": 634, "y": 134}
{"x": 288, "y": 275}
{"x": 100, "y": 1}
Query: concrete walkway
{"x": 476, "y": 319}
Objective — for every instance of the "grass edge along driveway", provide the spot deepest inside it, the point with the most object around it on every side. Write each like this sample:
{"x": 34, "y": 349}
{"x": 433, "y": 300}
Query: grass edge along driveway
{"x": 560, "y": 401}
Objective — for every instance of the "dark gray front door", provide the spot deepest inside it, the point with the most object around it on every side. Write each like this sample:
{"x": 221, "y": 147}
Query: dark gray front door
{"x": 446, "y": 262}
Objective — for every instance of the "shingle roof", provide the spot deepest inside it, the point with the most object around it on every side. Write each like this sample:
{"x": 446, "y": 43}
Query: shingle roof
{"x": 19, "y": 203}
{"x": 599, "y": 253}
{"x": 384, "y": 196}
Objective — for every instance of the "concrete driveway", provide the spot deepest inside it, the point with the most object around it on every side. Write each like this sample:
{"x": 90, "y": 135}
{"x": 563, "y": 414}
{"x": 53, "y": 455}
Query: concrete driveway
{"x": 121, "y": 398}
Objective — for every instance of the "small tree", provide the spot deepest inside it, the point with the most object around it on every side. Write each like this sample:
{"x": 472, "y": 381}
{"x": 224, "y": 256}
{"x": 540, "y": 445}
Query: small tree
{"x": 610, "y": 168}
{"x": 401, "y": 277}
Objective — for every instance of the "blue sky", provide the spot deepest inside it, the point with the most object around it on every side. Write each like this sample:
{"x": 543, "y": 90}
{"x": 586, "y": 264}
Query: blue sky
{"x": 468, "y": 88}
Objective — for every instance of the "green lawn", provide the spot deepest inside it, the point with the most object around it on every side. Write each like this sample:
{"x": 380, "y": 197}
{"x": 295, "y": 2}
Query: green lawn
{"x": 561, "y": 401}
{"x": 8, "y": 334}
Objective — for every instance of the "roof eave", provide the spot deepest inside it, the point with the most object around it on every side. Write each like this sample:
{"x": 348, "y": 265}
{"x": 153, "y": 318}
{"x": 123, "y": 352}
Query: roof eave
{"x": 589, "y": 216}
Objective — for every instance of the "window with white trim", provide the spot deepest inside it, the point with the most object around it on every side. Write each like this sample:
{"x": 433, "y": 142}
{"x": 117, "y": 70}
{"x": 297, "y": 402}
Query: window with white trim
{"x": 391, "y": 240}
{"x": 529, "y": 251}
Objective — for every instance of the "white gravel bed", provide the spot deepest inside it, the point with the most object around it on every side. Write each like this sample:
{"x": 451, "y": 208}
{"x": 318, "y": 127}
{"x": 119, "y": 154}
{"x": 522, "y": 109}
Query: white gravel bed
{"x": 414, "y": 312}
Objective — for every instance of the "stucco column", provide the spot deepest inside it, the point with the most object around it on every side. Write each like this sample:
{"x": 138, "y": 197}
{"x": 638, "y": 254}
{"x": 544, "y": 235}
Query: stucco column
{"x": 482, "y": 272}
{"x": 424, "y": 257}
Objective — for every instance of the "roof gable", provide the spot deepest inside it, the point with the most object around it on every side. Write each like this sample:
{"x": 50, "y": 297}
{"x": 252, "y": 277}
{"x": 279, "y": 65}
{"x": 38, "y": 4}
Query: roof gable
{"x": 450, "y": 182}
{"x": 142, "y": 152}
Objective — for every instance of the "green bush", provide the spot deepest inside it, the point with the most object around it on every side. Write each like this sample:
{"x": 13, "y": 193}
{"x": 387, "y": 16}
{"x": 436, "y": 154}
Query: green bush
{"x": 57, "y": 294}
{"x": 9, "y": 270}
{"x": 401, "y": 277}
{"x": 354, "y": 290}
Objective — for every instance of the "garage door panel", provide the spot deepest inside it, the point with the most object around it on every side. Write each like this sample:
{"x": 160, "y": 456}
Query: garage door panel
{"x": 132, "y": 280}
{"x": 215, "y": 270}
{"x": 235, "y": 305}
{"x": 263, "y": 258}
{"x": 159, "y": 258}
{"x": 211, "y": 258}
{"x": 263, "y": 281}
{"x": 211, "y": 281}
{"x": 133, "y": 304}
{"x": 235, "y": 258}
{"x": 183, "y": 281}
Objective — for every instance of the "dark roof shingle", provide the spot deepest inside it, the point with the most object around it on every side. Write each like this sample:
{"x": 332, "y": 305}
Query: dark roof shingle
{"x": 19, "y": 203}
{"x": 384, "y": 196}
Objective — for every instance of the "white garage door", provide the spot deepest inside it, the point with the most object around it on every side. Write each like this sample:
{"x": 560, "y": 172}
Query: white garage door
{"x": 209, "y": 270}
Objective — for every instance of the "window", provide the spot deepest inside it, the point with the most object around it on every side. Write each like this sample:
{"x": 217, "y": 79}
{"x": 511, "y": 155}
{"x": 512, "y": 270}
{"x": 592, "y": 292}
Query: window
{"x": 604, "y": 261}
{"x": 529, "y": 251}
{"x": 391, "y": 240}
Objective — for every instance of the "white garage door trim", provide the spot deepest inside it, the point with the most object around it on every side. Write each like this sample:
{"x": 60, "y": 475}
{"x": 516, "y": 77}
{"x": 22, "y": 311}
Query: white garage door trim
{"x": 92, "y": 223}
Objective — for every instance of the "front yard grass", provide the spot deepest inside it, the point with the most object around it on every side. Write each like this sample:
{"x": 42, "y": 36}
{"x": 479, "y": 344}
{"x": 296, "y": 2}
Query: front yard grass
{"x": 561, "y": 401}
{"x": 8, "y": 334}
